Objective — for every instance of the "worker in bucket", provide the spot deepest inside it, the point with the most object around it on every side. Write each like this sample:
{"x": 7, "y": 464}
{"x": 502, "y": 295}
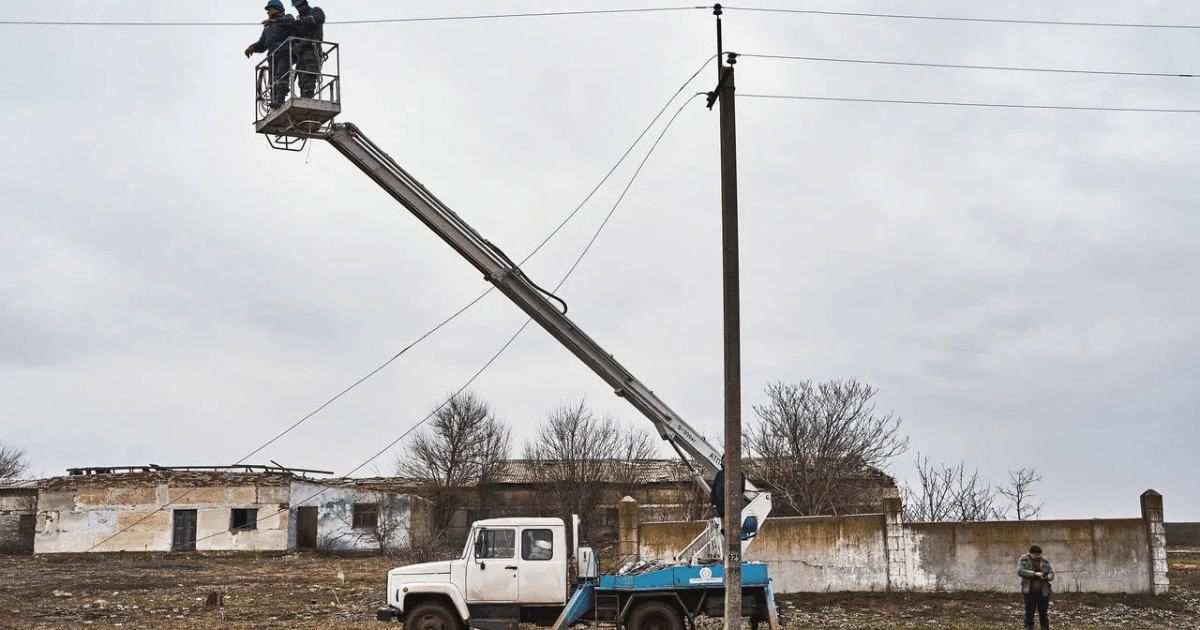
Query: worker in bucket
{"x": 310, "y": 25}
{"x": 276, "y": 29}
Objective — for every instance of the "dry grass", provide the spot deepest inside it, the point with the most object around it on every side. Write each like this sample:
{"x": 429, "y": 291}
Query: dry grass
{"x": 305, "y": 591}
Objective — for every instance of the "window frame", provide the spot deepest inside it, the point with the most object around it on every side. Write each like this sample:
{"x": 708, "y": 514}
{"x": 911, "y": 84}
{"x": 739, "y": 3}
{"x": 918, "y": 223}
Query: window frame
{"x": 364, "y": 515}
{"x": 247, "y": 522}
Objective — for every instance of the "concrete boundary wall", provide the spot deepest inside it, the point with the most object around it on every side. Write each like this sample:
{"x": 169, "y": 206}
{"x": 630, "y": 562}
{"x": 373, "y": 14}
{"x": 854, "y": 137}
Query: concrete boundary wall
{"x": 879, "y": 552}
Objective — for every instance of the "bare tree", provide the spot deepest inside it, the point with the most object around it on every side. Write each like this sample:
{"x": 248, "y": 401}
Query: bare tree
{"x": 581, "y": 458}
{"x": 13, "y": 463}
{"x": 1020, "y": 494}
{"x": 948, "y": 493}
{"x": 818, "y": 448}
{"x": 459, "y": 449}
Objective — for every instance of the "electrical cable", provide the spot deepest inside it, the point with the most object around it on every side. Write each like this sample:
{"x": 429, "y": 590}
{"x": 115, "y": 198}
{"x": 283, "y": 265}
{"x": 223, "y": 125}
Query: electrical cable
{"x": 445, "y": 18}
{"x": 636, "y": 172}
{"x": 968, "y": 67}
{"x": 963, "y": 104}
{"x": 962, "y": 19}
{"x": 621, "y": 160}
{"x": 493, "y": 16}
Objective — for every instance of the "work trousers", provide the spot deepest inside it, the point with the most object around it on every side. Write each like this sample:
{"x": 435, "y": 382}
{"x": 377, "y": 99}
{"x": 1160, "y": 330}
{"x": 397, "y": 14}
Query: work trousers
{"x": 308, "y": 68}
{"x": 1039, "y": 603}
{"x": 279, "y": 75}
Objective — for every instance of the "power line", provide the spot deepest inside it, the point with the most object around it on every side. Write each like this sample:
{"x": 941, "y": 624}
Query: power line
{"x": 962, "y": 19}
{"x": 442, "y": 18}
{"x": 523, "y": 15}
{"x": 963, "y": 104}
{"x": 495, "y": 16}
{"x": 968, "y": 67}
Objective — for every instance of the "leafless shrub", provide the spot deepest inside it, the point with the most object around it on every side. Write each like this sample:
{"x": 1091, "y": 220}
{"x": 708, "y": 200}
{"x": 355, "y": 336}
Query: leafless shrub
{"x": 13, "y": 464}
{"x": 815, "y": 447}
{"x": 948, "y": 493}
{"x": 1020, "y": 494}
{"x": 459, "y": 449}
{"x": 581, "y": 460}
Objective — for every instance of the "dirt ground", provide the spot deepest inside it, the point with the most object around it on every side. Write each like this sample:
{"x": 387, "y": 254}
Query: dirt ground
{"x": 186, "y": 591}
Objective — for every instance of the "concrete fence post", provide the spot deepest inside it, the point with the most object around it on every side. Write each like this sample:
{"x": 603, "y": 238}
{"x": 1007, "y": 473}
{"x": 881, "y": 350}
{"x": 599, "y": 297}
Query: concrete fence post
{"x": 1156, "y": 535}
{"x": 627, "y": 527}
{"x": 894, "y": 547}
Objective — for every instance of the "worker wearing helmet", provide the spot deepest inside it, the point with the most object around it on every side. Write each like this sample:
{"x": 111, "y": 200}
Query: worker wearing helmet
{"x": 276, "y": 29}
{"x": 310, "y": 25}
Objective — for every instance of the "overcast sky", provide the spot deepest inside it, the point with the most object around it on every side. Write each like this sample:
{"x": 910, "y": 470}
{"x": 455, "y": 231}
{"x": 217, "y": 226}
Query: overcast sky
{"x": 1020, "y": 283}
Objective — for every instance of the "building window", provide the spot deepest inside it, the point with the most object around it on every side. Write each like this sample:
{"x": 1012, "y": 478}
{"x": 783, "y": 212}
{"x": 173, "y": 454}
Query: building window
{"x": 243, "y": 518}
{"x": 366, "y": 514}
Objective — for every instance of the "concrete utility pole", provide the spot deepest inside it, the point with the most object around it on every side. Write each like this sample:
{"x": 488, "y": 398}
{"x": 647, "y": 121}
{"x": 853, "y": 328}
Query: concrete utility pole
{"x": 733, "y": 340}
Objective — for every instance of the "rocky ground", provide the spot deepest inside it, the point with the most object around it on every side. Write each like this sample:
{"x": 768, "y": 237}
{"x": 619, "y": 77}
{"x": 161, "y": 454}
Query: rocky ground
{"x": 191, "y": 591}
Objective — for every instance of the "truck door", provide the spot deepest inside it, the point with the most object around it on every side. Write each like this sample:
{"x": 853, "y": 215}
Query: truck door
{"x": 492, "y": 572}
{"x": 543, "y": 572}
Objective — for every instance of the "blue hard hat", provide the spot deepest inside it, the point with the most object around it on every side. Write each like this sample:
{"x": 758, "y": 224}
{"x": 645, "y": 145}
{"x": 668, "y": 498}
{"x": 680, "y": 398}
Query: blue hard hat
{"x": 274, "y": 3}
{"x": 297, "y": 3}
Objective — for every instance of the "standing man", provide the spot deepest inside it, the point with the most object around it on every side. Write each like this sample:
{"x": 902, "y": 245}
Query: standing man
{"x": 276, "y": 29}
{"x": 310, "y": 24}
{"x": 1036, "y": 576}
{"x": 717, "y": 494}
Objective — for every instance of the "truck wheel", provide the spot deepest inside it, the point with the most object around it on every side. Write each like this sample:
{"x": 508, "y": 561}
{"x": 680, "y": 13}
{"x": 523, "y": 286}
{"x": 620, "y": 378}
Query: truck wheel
{"x": 431, "y": 616}
{"x": 654, "y": 616}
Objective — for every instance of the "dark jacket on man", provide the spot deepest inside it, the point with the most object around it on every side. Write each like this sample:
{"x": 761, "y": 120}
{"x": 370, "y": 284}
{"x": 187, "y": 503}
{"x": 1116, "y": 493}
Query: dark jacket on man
{"x": 717, "y": 496}
{"x": 273, "y": 35}
{"x": 311, "y": 24}
{"x": 1030, "y": 583}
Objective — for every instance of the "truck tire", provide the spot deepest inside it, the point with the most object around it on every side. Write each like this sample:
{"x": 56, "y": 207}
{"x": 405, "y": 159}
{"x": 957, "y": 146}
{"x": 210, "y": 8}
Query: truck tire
{"x": 654, "y": 616}
{"x": 432, "y": 616}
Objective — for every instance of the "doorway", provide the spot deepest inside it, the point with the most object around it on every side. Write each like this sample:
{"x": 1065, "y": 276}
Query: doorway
{"x": 306, "y": 527}
{"x": 184, "y": 531}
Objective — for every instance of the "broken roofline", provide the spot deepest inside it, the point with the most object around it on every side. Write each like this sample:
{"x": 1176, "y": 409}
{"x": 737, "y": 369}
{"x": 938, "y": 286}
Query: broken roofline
{"x": 110, "y": 470}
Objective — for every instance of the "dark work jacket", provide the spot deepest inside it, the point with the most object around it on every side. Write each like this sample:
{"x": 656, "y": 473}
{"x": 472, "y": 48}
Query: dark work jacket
{"x": 274, "y": 35}
{"x": 1030, "y": 584}
{"x": 311, "y": 25}
{"x": 718, "y": 492}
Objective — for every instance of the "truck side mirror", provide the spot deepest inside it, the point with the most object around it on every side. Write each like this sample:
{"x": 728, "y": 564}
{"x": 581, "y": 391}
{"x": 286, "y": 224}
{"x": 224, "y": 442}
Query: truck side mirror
{"x": 479, "y": 546}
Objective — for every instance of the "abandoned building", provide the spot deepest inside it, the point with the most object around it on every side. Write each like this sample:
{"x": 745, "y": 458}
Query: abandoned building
{"x": 265, "y": 508}
{"x": 155, "y": 508}
{"x": 18, "y": 516}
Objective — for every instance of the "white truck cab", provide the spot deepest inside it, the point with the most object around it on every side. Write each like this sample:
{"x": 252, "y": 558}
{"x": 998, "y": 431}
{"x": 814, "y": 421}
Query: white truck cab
{"x": 506, "y": 562}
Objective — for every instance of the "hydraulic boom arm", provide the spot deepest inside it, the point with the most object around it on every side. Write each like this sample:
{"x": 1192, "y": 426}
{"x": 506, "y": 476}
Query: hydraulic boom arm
{"x": 502, "y": 272}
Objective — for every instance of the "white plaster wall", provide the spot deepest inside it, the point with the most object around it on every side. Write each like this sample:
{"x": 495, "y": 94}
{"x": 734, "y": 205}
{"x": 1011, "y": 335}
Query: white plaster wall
{"x": 335, "y": 511}
{"x": 83, "y": 521}
{"x": 1094, "y": 556}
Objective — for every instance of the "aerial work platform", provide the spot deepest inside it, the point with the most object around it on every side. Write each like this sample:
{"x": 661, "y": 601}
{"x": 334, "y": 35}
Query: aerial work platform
{"x": 297, "y": 118}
